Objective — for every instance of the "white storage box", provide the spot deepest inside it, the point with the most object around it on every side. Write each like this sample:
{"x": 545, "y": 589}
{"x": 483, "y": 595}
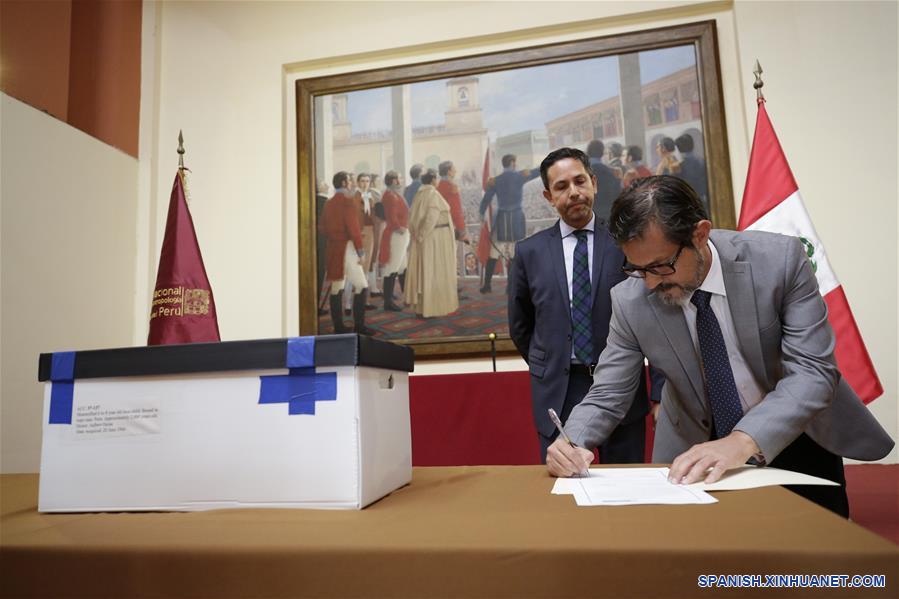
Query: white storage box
{"x": 309, "y": 422}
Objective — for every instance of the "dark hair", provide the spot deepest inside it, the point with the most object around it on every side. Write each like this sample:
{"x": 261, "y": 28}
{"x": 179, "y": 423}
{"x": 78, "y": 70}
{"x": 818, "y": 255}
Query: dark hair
{"x": 667, "y": 144}
{"x": 615, "y": 149}
{"x": 595, "y": 149}
{"x": 444, "y": 167}
{"x": 665, "y": 200}
{"x": 684, "y": 143}
{"x": 635, "y": 152}
{"x": 360, "y": 175}
{"x": 415, "y": 171}
{"x": 509, "y": 160}
{"x": 428, "y": 177}
{"x": 340, "y": 179}
{"x": 391, "y": 177}
{"x": 560, "y": 154}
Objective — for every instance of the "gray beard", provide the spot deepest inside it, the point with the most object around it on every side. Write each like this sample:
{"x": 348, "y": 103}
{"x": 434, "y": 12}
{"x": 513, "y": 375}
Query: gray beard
{"x": 686, "y": 290}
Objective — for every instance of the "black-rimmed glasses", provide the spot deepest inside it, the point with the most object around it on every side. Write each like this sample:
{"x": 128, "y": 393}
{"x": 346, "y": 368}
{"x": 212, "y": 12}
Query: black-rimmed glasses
{"x": 660, "y": 270}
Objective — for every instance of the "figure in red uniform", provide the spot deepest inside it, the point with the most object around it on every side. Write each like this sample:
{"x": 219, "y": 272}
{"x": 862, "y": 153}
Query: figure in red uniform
{"x": 340, "y": 223}
{"x": 450, "y": 192}
{"x": 392, "y": 254}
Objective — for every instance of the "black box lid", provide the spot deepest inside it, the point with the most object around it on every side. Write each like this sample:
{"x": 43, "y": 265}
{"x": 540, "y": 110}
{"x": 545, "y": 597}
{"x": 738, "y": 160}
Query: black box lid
{"x": 329, "y": 350}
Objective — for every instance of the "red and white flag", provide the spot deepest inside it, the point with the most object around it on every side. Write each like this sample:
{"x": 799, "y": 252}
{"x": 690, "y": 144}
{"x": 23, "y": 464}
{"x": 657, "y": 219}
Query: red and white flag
{"x": 771, "y": 202}
{"x": 484, "y": 237}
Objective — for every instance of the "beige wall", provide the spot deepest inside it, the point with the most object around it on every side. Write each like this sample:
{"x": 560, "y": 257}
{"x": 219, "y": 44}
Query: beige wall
{"x": 830, "y": 84}
{"x": 67, "y": 213}
{"x": 224, "y": 72}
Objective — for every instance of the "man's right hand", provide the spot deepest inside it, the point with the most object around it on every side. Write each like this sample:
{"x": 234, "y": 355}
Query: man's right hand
{"x": 563, "y": 460}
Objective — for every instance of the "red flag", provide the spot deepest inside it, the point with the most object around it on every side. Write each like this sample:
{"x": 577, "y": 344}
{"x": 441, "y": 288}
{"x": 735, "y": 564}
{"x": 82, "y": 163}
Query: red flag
{"x": 771, "y": 202}
{"x": 484, "y": 240}
{"x": 484, "y": 235}
{"x": 183, "y": 309}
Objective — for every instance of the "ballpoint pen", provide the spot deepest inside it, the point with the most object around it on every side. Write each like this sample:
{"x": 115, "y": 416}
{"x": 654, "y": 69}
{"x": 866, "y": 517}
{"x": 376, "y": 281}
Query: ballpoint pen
{"x": 555, "y": 418}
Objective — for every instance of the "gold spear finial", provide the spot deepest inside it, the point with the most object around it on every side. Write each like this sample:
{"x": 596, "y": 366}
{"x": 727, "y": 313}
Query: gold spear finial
{"x": 760, "y": 97}
{"x": 180, "y": 150}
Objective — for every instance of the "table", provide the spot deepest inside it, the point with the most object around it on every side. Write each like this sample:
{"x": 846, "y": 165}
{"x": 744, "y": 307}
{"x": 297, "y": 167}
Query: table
{"x": 476, "y": 531}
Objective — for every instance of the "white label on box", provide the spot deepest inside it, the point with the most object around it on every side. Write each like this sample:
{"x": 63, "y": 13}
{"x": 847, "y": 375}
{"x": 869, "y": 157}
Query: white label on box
{"x": 99, "y": 419}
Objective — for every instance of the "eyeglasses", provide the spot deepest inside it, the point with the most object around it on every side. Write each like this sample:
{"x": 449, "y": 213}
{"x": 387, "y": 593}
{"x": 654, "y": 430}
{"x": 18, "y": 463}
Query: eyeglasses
{"x": 660, "y": 270}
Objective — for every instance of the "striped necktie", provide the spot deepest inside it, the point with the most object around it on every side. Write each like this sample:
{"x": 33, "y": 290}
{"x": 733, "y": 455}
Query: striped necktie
{"x": 581, "y": 296}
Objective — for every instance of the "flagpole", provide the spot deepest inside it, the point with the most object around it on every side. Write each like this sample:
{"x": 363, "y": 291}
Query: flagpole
{"x": 181, "y": 150}
{"x": 759, "y": 96}
{"x": 182, "y": 170}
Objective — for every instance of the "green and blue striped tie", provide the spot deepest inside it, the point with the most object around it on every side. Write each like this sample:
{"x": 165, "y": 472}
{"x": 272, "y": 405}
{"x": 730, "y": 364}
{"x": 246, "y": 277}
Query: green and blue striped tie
{"x": 581, "y": 297}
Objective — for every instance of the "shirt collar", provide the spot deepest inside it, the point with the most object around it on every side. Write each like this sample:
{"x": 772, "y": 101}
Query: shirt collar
{"x": 568, "y": 229}
{"x": 714, "y": 280}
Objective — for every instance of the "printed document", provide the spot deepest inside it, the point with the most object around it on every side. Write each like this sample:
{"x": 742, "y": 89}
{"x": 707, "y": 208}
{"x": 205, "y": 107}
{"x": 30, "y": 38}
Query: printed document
{"x": 629, "y": 486}
{"x": 636, "y": 486}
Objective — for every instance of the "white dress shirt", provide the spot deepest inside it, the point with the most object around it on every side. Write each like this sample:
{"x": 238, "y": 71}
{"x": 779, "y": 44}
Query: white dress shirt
{"x": 749, "y": 390}
{"x": 569, "y": 242}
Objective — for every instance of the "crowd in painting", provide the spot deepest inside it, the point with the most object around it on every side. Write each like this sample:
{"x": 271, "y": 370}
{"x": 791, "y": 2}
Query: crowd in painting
{"x": 410, "y": 241}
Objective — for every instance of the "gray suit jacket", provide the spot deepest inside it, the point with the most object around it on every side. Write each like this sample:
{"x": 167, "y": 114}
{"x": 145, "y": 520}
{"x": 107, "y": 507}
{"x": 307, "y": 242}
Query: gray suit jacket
{"x": 781, "y": 323}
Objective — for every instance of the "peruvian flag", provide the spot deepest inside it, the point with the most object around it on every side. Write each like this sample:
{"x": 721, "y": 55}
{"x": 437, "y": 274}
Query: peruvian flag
{"x": 771, "y": 202}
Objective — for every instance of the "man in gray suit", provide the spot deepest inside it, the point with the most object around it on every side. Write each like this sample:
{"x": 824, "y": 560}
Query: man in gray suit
{"x": 737, "y": 326}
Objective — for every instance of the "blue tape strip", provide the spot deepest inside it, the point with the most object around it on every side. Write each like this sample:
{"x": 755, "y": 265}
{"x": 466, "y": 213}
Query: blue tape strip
{"x": 300, "y": 389}
{"x": 273, "y": 389}
{"x": 280, "y": 388}
{"x": 62, "y": 390}
{"x": 300, "y": 352}
{"x": 326, "y": 386}
{"x": 301, "y": 406}
{"x": 61, "y": 394}
{"x": 62, "y": 366}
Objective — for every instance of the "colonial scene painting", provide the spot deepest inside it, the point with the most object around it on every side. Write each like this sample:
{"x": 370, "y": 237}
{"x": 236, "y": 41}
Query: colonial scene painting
{"x": 443, "y": 178}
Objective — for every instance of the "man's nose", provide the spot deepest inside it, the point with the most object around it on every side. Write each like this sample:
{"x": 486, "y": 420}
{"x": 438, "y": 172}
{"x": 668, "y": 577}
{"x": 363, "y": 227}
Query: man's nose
{"x": 652, "y": 280}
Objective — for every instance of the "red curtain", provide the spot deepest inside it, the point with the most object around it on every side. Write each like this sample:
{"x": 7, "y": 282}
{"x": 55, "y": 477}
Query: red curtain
{"x": 476, "y": 419}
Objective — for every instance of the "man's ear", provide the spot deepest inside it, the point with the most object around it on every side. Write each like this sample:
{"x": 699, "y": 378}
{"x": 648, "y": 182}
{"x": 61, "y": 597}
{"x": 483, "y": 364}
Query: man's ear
{"x": 701, "y": 233}
{"x": 548, "y": 196}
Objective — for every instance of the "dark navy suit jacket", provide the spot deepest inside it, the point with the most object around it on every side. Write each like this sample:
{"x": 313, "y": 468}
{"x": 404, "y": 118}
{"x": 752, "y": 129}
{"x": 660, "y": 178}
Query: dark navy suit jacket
{"x": 608, "y": 188}
{"x": 540, "y": 316}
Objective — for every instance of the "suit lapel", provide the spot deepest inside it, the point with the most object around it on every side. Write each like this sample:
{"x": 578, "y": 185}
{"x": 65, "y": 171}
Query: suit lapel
{"x": 674, "y": 325}
{"x": 599, "y": 251}
{"x": 558, "y": 261}
{"x": 741, "y": 299}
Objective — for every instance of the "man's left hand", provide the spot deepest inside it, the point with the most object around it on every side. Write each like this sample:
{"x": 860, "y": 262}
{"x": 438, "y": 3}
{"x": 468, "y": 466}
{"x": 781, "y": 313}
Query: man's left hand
{"x": 709, "y": 461}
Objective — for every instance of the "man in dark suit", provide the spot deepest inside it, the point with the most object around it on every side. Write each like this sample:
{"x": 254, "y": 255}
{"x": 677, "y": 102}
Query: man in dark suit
{"x": 509, "y": 224}
{"x": 608, "y": 186}
{"x": 559, "y": 306}
{"x": 414, "y": 183}
{"x": 692, "y": 169}
{"x": 736, "y": 323}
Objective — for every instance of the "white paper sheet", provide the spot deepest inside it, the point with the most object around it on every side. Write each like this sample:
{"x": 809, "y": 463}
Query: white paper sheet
{"x": 629, "y": 486}
{"x": 636, "y": 486}
{"x": 751, "y": 477}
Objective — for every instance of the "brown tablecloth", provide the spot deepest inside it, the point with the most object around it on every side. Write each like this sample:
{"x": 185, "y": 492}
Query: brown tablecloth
{"x": 489, "y": 531}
